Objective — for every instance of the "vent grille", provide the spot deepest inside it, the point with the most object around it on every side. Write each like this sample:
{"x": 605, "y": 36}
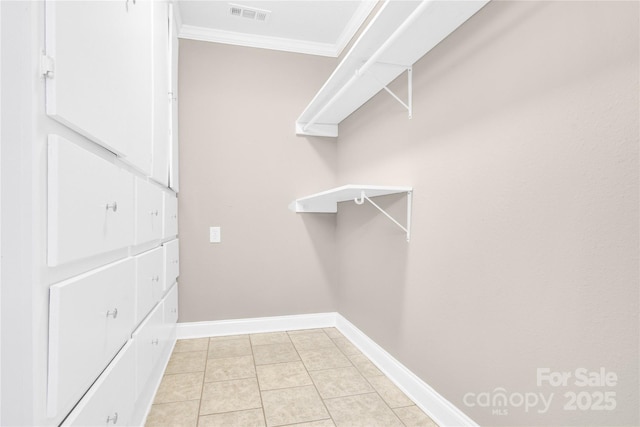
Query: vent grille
{"x": 249, "y": 12}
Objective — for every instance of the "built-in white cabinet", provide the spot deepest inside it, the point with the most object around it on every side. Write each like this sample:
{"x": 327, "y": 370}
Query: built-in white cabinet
{"x": 171, "y": 261}
{"x": 149, "y": 212}
{"x": 161, "y": 93}
{"x": 149, "y": 339}
{"x": 171, "y": 307}
{"x": 170, "y": 222}
{"x": 99, "y": 73}
{"x": 174, "y": 181}
{"x": 90, "y": 204}
{"x": 111, "y": 399}
{"x": 91, "y": 317}
{"x": 149, "y": 281}
{"x": 112, "y": 209}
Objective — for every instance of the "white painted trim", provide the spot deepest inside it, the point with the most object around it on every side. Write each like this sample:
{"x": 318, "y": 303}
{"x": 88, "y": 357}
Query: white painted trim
{"x": 193, "y": 32}
{"x": 176, "y": 14}
{"x": 443, "y": 412}
{"x": 255, "y": 325}
{"x": 354, "y": 24}
{"x": 252, "y": 40}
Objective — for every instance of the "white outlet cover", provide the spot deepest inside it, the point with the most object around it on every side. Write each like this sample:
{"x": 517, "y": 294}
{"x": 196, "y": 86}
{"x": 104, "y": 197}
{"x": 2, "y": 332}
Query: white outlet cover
{"x": 214, "y": 235}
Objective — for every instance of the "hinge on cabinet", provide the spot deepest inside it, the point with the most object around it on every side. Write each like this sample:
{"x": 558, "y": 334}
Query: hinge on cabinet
{"x": 46, "y": 66}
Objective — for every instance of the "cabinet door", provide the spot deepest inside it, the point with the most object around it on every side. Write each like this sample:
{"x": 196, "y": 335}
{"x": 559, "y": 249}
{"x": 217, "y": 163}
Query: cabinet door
{"x": 148, "y": 339}
{"x": 101, "y": 83}
{"x": 161, "y": 93}
{"x": 149, "y": 281}
{"x": 171, "y": 262}
{"x": 91, "y": 316}
{"x": 170, "y": 318}
{"x": 174, "y": 54}
{"x": 90, "y": 204}
{"x": 149, "y": 212}
{"x": 170, "y": 223}
{"x": 110, "y": 401}
{"x": 171, "y": 306}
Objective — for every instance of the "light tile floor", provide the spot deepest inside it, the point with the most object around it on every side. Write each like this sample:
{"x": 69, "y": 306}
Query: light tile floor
{"x": 313, "y": 378}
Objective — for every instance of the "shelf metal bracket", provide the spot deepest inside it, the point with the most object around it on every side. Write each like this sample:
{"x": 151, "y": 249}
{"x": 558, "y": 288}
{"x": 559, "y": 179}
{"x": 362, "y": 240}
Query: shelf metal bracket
{"x": 409, "y": 104}
{"x": 406, "y": 229}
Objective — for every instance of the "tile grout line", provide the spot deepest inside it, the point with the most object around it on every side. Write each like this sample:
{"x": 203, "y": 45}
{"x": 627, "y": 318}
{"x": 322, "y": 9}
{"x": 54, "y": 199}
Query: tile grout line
{"x": 366, "y": 379}
{"x": 372, "y": 386}
{"x": 369, "y": 382}
{"x": 312, "y": 382}
{"x": 255, "y": 368}
{"x": 316, "y": 331}
{"x": 204, "y": 374}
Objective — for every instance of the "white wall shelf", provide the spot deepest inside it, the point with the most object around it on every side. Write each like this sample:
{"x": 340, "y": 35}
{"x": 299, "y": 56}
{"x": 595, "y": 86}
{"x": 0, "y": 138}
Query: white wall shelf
{"x": 398, "y": 36}
{"x": 327, "y": 201}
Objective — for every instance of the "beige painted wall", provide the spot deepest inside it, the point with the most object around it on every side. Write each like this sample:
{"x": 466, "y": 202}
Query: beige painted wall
{"x": 523, "y": 152}
{"x": 240, "y": 166}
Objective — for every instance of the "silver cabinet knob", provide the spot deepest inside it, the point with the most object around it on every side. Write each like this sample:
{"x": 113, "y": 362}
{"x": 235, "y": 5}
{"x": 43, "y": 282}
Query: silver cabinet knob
{"x": 155, "y": 341}
{"x": 112, "y": 313}
{"x": 155, "y": 279}
{"x": 113, "y": 206}
{"x": 154, "y": 213}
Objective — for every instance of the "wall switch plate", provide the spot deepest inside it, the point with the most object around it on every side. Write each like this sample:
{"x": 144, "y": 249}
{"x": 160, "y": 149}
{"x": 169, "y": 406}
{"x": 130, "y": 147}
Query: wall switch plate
{"x": 214, "y": 235}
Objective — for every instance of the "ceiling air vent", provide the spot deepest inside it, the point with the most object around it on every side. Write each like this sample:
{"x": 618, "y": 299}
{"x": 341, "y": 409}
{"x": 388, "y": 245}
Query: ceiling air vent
{"x": 249, "y": 12}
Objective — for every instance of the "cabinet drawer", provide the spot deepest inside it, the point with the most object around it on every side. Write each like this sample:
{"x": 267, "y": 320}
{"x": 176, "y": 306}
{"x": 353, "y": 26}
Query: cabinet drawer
{"x": 170, "y": 226}
{"x": 149, "y": 212}
{"x": 171, "y": 262}
{"x": 149, "y": 340}
{"x": 171, "y": 306}
{"x": 149, "y": 281}
{"x": 90, "y": 318}
{"x": 110, "y": 401}
{"x": 90, "y": 204}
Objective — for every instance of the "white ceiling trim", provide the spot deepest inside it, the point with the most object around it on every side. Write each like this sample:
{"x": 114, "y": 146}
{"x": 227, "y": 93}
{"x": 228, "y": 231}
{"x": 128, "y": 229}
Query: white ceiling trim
{"x": 251, "y": 40}
{"x": 354, "y": 24}
{"x": 276, "y": 43}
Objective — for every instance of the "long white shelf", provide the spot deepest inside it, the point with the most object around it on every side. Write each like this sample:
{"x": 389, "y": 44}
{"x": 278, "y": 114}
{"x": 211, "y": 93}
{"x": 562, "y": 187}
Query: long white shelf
{"x": 327, "y": 201}
{"x": 398, "y": 36}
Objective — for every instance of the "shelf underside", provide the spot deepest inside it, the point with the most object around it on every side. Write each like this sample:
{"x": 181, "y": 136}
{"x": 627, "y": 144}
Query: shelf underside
{"x": 436, "y": 21}
{"x": 327, "y": 201}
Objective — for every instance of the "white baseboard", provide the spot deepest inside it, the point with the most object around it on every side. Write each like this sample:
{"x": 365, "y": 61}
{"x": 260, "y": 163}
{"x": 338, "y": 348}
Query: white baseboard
{"x": 443, "y": 412}
{"x": 255, "y": 325}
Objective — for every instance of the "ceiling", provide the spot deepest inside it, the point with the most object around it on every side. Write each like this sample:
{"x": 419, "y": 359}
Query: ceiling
{"x": 316, "y": 27}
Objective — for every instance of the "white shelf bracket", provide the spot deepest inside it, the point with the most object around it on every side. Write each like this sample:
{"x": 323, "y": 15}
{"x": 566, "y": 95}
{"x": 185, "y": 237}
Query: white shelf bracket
{"x": 409, "y": 105}
{"x": 406, "y": 229}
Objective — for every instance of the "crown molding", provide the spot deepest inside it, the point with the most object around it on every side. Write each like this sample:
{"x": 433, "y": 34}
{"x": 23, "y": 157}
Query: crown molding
{"x": 251, "y": 40}
{"x": 192, "y": 32}
{"x": 354, "y": 24}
